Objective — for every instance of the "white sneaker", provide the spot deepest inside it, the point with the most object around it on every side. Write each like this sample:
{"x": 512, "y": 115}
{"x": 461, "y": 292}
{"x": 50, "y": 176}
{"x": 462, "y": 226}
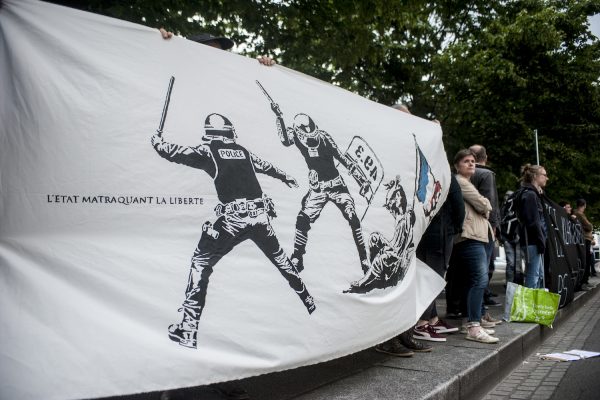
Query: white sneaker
{"x": 465, "y": 330}
{"x": 481, "y": 336}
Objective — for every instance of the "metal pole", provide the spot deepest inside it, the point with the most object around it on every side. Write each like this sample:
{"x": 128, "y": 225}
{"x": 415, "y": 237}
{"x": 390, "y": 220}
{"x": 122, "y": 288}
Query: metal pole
{"x": 537, "y": 149}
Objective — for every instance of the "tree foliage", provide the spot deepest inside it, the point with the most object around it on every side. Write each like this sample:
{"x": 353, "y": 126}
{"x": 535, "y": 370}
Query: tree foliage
{"x": 491, "y": 71}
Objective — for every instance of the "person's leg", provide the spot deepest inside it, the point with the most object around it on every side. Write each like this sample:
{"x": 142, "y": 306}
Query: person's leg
{"x": 534, "y": 264}
{"x": 263, "y": 235}
{"x": 312, "y": 205}
{"x": 489, "y": 252}
{"x": 430, "y": 252}
{"x": 509, "y": 251}
{"x": 589, "y": 263}
{"x": 453, "y": 284}
{"x": 519, "y": 257}
{"x": 344, "y": 202}
{"x": 475, "y": 261}
{"x": 209, "y": 251}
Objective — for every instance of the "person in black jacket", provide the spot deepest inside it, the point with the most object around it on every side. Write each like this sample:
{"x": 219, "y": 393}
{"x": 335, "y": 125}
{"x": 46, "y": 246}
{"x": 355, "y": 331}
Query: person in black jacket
{"x": 434, "y": 249}
{"x": 534, "y": 229}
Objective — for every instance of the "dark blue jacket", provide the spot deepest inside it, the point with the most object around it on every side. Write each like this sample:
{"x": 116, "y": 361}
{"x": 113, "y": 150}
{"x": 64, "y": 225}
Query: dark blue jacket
{"x": 531, "y": 216}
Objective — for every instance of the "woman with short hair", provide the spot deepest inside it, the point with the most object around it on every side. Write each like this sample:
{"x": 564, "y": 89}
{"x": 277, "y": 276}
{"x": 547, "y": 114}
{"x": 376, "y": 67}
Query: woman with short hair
{"x": 470, "y": 246}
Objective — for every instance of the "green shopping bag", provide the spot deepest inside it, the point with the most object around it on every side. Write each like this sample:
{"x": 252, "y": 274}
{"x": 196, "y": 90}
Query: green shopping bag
{"x": 534, "y": 305}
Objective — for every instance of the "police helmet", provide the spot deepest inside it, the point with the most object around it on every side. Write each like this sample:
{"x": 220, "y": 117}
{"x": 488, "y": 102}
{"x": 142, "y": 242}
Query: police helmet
{"x": 304, "y": 125}
{"x": 217, "y": 126}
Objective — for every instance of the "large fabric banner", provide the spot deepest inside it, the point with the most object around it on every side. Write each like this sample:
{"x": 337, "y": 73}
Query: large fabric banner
{"x": 565, "y": 252}
{"x": 175, "y": 215}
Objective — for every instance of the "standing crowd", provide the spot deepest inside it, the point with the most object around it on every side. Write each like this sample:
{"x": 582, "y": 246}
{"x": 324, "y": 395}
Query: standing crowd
{"x": 460, "y": 243}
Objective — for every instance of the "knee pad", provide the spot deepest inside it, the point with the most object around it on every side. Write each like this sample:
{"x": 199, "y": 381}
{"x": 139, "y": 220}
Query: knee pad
{"x": 302, "y": 222}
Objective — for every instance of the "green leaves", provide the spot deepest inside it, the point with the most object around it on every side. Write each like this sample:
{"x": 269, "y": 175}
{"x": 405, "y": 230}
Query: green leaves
{"x": 491, "y": 71}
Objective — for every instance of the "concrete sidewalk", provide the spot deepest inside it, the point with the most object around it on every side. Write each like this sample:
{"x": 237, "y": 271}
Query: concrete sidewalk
{"x": 455, "y": 369}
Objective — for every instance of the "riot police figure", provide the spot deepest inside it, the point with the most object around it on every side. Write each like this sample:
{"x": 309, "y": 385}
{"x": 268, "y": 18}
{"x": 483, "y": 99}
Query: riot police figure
{"x": 244, "y": 212}
{"x": 325, "y": 182}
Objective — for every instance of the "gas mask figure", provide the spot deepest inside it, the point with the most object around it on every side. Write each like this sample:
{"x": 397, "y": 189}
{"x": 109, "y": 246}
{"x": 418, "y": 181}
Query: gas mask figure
{"x": 325, "y": 182}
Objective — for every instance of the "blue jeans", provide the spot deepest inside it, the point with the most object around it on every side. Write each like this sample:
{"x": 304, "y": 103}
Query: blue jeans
{"x": 534, "y": 273}
{"x": 514, "y": 268}
{"x": 473, "y": 257}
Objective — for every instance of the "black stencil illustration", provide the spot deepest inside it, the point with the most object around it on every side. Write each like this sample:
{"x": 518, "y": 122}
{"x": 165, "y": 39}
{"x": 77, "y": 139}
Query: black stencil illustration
{"x": 390, "y": 259}
{"x": 360, "y": 153}
{"x": 244, "y": 212}
{"x": 326, "y": 185}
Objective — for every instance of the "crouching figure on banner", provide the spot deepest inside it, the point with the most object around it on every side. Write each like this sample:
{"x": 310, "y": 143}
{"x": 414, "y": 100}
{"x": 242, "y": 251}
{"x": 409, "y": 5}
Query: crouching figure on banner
{"x": 390, "y": 259}
{"x": 244, "y": 212}
{"x": 325, "y": 182}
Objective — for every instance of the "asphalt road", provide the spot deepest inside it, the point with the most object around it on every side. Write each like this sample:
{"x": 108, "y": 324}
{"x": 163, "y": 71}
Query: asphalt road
{"x": 582, "y": 379}
{"x": 540, "y": 379}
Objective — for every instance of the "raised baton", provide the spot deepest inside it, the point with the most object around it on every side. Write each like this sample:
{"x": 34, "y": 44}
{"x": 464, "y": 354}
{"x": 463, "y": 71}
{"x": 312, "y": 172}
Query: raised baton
{"x": 163, "y": 117}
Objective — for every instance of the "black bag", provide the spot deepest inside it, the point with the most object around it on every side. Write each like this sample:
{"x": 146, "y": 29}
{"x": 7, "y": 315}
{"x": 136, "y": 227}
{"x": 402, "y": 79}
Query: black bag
{"x": 509, "y": 222}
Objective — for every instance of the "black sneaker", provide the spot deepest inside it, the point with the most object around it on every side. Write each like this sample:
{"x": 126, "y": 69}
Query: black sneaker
{"x": 454, "y": 315}
{"x": 230, "y": 392}
{"x": 407, "y": 339}
{"x": 490, "y": 302}
{"x": 393, "y": 347}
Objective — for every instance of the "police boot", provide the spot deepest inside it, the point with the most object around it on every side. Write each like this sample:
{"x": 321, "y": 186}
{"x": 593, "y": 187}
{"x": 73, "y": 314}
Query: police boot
{"x": 300, "y": 239}
{"x": 185, "y": 332}
{"x": 308, "y": 300}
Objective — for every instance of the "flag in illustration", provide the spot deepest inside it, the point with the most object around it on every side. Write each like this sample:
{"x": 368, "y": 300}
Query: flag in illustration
{"x": 428, "y": 189}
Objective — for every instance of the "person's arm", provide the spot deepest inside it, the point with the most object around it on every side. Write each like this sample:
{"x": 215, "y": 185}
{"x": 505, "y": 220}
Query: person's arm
{"x": 586, "y": 224}
{"x": 529, "y": 216}
{"x": 286, "y": 135}
{"x": 348, "y": 163}
{"x": 265, "y": 167}
{"x": 457, "y": 205}
{"x": 195, "y": 157}
{"x": 487, "y": 187}
{"x": 472, "y": 196}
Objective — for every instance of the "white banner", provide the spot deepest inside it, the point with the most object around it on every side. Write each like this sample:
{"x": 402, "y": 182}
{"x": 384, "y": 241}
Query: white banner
{"x": 109, "y": 232}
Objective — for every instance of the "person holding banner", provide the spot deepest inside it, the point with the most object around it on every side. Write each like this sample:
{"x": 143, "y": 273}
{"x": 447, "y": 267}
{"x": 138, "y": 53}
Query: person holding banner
{"x": 217, "y": 42}
{"x": 533, "y": 223}
{"x": 470, "y": 247}
{"x": 588, "y": 236}
{"x": 434, "y": 249}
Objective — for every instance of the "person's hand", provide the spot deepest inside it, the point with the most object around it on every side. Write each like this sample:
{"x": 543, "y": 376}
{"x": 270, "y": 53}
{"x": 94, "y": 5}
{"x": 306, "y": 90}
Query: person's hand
{"x": 290, "y": 181}
{"x": 266, "y": 60}
{"x": 165, "y": 34}
{"x": 156, "y": 139}
{"x": 276, "y": 109}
